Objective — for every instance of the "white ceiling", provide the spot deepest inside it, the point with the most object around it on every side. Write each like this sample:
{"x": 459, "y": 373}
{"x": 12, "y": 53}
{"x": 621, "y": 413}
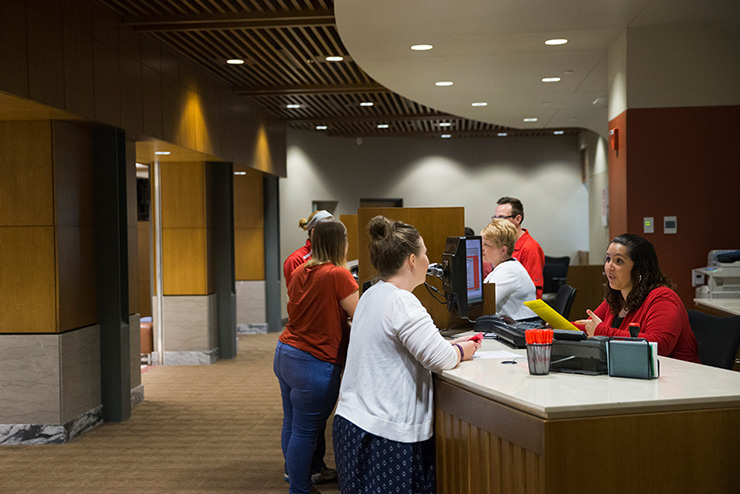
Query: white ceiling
{"x": 494, "y": 51}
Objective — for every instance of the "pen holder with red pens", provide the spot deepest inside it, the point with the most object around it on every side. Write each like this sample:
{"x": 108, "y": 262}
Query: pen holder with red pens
{"x": 539, "y": 345}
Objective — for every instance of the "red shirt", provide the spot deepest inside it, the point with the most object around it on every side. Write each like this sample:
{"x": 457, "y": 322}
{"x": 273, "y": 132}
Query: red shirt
{"x": 528, "y": 252}
{"x": 662, "y": 318}
{"x": 294, "y": 260}
{"x": 317, "y": 323}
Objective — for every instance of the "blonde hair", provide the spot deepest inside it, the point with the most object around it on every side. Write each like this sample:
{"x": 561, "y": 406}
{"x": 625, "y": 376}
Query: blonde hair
{"x": 502, "y": 233}
{"x": 391, "y": 243}
{"x": 329, "y": 243}
{"x": 303, "y": 222}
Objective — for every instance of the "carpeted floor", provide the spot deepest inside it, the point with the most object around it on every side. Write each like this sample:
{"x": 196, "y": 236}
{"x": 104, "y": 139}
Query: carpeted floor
{"x": 201, "y": 429}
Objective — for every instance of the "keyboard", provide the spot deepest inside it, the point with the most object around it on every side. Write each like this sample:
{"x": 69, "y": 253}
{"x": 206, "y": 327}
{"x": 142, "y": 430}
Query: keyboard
{"x": 513, "y": 331}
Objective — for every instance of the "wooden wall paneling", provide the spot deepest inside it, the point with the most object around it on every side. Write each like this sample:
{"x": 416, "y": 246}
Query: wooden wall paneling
{"x": 132, "y": 104}
{"x": 184, "y": 261}
{"x": 130, "y": 42}
{"x": 434, "y": 225}
{"x": 170, "y": 110}
{"x": 14, "y": 49}
{"x": 26, "y": 184}
{"x": 105, "y": 25}
{"x": 79, "y": 15}
{"x": 45, "y": 57}
{"x": 151, "y": 101}
{"x": 151, "y": 53}
{"x": 27, "y": 280}
{"x": 589, "y": 281}
{"x": 107, "y": 83}
{"x": 76, "y": 277}
{"x": 74, "y": 174}
{"x": 248, "y": 198}
{"x": 186, "y": 127}
{"x": 350, "y": 221}
{"x": 183, "y": 195}
{"x": 79, "y": 73}
{"x": 250, "y": 254}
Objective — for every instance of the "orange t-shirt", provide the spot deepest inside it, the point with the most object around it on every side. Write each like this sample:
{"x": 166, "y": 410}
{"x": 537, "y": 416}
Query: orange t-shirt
{"x": 317, "y": 323}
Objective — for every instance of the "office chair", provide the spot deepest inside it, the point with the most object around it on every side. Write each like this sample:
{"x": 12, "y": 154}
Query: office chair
{"x": 718, "y": 338}
{"x": 564, "y": 300}
{"x": 554, "y": 275}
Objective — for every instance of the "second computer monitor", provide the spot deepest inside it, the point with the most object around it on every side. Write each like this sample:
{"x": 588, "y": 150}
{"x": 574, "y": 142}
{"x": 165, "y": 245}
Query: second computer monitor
{"x": 463, "y": 274}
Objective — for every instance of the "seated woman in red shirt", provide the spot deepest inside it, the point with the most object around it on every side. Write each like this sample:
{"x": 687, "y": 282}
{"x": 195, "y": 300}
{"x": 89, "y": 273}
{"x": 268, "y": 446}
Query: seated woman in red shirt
{"x": 638, "y": 292}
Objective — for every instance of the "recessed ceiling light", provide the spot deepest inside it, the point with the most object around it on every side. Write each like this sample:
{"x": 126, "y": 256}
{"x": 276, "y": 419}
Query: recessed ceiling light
{"x": 529, "y": 119}
{"x": 502, "y": 134}
{"x": 558, "y": 132}
{"x": 235, "y": 61}
{"x": 446, "y": 136}
{"x": 367, "y": 103}
{"x": 443, "y": 83}
{"x": 321, "y": 127}
{"x": 162, "y": 153}
{"x": 445, "y": 124}
{"x": 383, "y": 126}
{"x": 421, "y": 47}
{"x": 551, "y": 79}
{"x": 479, "y": 103}
{"x": 240, "y": 173}
{"x": 334, "y": 59}
{"x": 556, "y": 41}
{"x": 292, "y": 106}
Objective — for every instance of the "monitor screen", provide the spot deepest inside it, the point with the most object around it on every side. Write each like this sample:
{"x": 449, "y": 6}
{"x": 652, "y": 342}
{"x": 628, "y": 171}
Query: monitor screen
{"x": 463, "y": 274}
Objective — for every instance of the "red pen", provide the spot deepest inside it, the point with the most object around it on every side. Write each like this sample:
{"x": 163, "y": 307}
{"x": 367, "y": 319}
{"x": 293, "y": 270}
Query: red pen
{"x": 476, "y": 338}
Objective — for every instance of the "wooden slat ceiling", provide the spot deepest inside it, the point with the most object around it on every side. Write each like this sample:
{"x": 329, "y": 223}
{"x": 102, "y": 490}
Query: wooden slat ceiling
{"x": 284, "y": 44}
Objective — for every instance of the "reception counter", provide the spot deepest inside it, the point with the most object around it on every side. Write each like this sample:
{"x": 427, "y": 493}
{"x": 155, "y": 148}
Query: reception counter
{"x": 498, "y": 429}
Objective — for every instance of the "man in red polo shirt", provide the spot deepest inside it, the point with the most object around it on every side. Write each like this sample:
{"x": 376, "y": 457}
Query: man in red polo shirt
{"x": 526, "y": 250}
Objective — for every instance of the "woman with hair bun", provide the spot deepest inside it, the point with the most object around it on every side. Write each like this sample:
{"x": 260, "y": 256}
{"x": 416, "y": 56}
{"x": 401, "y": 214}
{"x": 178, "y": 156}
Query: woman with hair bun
{"x": 384, "y": 420}
{"x": 637, "y": 291}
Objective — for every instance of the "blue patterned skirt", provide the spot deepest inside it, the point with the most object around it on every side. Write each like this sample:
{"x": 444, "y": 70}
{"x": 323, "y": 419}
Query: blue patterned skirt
{"x": 367, "y": 463}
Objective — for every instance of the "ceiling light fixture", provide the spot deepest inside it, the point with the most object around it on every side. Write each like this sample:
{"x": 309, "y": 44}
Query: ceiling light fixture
{"x": 321, "y": 127}
{"x": 443, "y": 83}
{"x": 240, "y": 173}
{"x": 529, "y": 119}
{"x": 334, "y": 58}
{"x": 383, "y": 126}
{"x": 367, "y": 103}
{"x": 551, "y": 79}
{"x": 479, "y": 103}
{"x": 162, "y": 153}
{"x": 502, "y": 134}
{"x": 556, "y": 41}
{"x": 558, "y": 132}
{"x": 235, "y": 61}
{"x": 446, "y": 136}
{"x": 421, "y": 47}
{"x": 292, "y": 106}
{"x": 445, "y": 124}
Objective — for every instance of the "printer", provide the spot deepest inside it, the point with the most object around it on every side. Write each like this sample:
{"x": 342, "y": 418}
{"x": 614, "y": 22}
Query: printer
{"x": 721, "y": 277}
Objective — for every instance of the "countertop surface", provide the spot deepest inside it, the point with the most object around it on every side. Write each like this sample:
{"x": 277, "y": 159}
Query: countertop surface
{"x": 729, "y": 305}
{"x": 681, "y": 386}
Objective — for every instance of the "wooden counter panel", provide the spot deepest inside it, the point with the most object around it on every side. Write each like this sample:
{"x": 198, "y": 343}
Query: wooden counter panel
{"x": 486, "y": 447}
{"x": 184, "y": 261}
{"x": 350, "y": 221}
{"x": 249, "y": 255}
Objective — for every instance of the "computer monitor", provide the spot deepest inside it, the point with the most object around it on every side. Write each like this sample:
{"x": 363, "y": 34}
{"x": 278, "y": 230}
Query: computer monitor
{"x": 462, "y": 263}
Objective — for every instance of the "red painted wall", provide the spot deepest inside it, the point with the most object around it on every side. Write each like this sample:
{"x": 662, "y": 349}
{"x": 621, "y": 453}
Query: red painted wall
{"x": 679, "y": 162}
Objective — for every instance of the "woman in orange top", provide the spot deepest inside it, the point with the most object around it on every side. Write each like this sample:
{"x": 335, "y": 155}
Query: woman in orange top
{"x": 310, "y": 353}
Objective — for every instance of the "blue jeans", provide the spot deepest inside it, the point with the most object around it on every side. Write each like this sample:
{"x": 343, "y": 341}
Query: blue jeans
{"x": 309, "y": 388}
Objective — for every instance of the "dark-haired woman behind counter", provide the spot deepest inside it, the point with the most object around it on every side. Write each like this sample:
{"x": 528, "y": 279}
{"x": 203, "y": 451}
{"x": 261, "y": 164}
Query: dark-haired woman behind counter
{"x": 637, "y": 291}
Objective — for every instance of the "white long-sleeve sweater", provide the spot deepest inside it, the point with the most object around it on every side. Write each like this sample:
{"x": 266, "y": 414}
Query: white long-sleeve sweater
{"x": 394, "y": 347}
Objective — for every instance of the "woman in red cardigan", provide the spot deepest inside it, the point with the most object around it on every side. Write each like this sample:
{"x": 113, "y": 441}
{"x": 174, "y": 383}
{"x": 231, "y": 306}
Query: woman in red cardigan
{"x": 637, "y": 291}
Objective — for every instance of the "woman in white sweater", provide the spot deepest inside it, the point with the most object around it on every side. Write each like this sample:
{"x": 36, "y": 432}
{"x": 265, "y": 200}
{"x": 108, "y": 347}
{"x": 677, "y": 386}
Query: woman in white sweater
{"x": 383, "y": 425}
{"x": 514, "y": 286}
